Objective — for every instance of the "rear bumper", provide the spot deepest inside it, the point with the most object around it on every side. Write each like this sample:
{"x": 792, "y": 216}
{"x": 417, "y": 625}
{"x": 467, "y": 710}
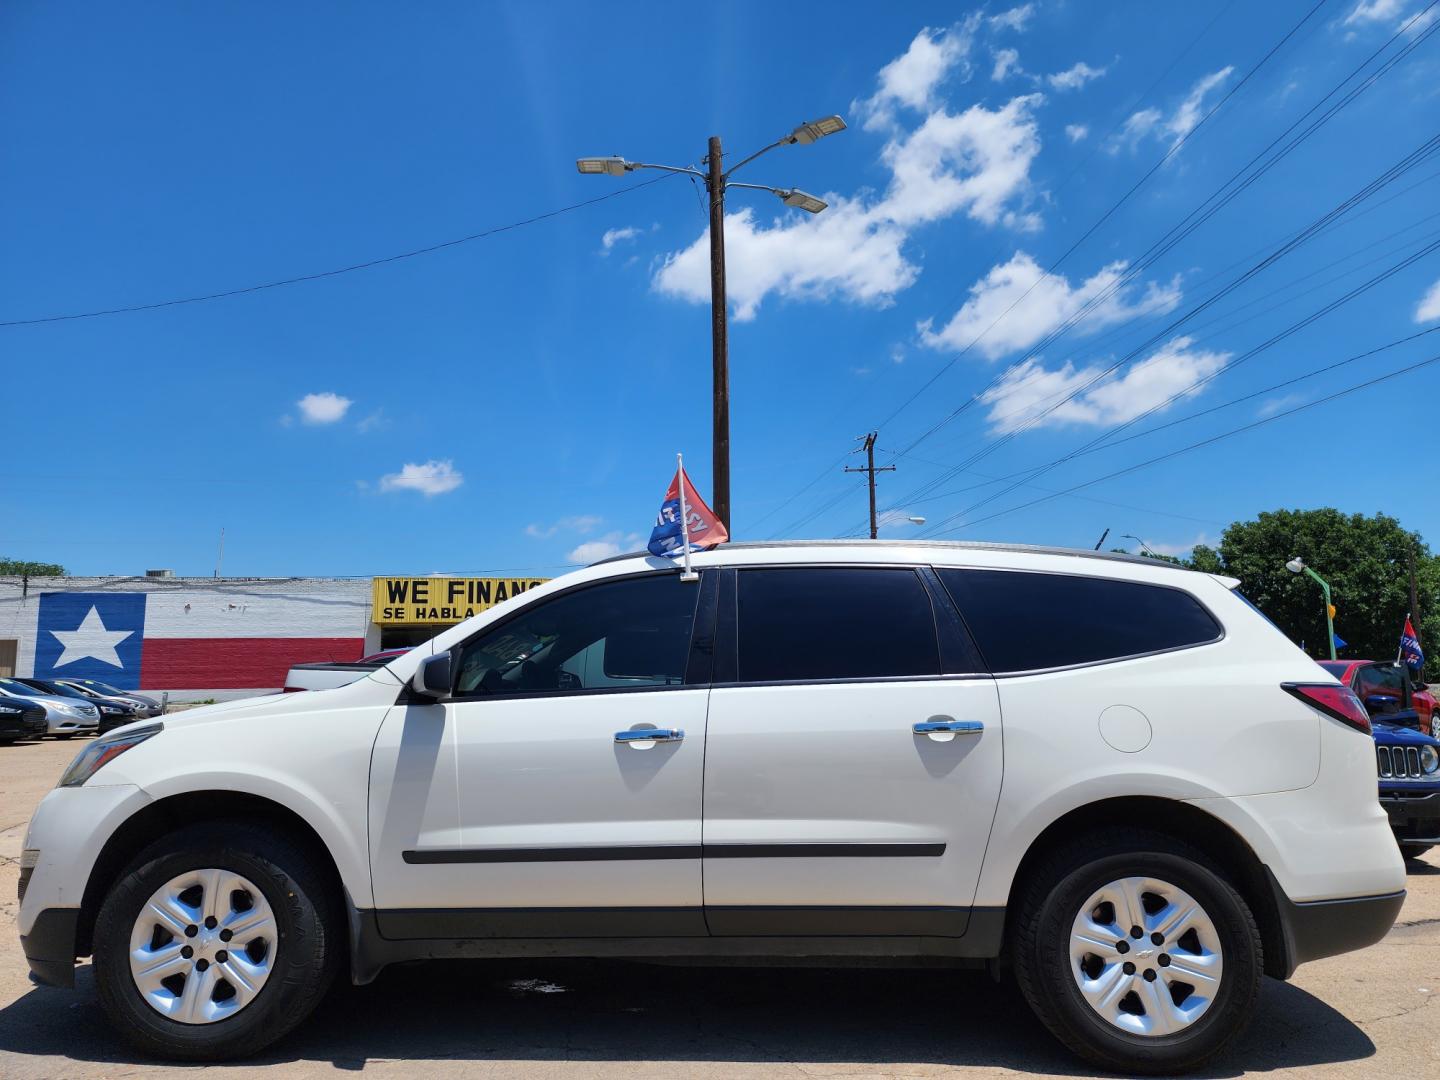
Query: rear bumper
{"x": 49, "y": 947}
{"x": 1319, "y": 928}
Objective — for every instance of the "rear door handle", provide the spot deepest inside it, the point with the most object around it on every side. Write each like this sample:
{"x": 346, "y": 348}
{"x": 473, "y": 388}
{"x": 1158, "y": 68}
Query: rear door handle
{"x": 649, "y": 736}
{"x": 943, "y": 730}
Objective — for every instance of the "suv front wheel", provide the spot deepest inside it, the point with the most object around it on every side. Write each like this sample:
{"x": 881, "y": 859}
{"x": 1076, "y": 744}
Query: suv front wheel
{"x": 214, "y": 942}
{"x": 1136, "y": 953}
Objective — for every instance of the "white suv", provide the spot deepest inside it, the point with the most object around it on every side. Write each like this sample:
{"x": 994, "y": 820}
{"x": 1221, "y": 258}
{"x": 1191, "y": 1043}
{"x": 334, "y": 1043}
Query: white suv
{"x": 1111, "y": 777}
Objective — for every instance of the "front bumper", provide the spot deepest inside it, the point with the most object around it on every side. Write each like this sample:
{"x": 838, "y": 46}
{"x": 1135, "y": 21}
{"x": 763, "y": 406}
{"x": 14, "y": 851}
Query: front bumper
{"x": 49, "y": 947}
{"x": 1320, "y": 928}
{"x": 1414, "y": 815}
{"x": 67, "y": 833}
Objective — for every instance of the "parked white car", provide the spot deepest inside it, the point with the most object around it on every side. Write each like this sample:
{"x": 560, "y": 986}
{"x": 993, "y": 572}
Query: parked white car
{"x": 1110, "y": 776}
{"x": 65, "y": 717}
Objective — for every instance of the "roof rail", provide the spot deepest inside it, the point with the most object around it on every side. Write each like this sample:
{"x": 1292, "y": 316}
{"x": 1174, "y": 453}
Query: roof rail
{"x": 940, "y": 545}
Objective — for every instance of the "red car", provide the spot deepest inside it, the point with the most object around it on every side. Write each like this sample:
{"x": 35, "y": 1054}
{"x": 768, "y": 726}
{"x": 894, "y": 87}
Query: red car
{"x": 1383, "y": 678}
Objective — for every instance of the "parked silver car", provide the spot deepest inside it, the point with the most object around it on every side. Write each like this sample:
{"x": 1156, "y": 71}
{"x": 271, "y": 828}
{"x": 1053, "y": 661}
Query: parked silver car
{"x": 65, "y": 716}
{"x": 144, "y": 705}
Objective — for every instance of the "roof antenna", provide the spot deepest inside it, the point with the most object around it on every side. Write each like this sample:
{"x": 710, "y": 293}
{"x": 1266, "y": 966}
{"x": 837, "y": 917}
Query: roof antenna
{"x": 1102, "y": 538}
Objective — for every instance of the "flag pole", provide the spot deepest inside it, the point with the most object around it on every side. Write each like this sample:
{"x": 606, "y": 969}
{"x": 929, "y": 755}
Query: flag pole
{"x": 1400, "y": 652}
{"x": 688, "y": 574}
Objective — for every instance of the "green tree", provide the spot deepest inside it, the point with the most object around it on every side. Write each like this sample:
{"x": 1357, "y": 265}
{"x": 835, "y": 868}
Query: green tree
{"x": 19, "y": 567}
{"x": 1366, "y": 562}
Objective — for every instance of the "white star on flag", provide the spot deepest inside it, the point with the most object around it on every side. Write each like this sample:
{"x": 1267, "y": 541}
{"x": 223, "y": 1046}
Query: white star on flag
{"x": 91, "y": 639}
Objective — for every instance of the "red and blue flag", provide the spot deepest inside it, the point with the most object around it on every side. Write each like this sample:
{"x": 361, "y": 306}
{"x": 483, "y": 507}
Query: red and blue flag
{"x": 1410, "y": 652}
{"x": 704, "y": 529}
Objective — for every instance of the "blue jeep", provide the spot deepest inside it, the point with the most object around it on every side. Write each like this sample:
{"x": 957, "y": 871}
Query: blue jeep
{"x": 1408, "y": 764}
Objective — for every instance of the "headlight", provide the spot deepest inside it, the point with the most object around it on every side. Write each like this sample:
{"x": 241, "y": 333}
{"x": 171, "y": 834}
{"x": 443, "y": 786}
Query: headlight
{"x": 10, "y": 709}
{"x": 66, "y": 709}
{"x": 1429, "y": 759}
{"x": 95, "y": 756}
{"x": 113, "y": 710}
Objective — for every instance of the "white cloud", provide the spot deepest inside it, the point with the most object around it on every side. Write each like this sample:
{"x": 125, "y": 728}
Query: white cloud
{"x": 430, "y": 479}
{"x": 323, "y": 408}
{"x": 1181, "y": 547}
{"x": 1178, "y": 124}
{"x": 1074, "y": 78}
{"x": 614, "y": 543}
{"x": 1277, "y": 404}
{"x": 611, "y": 237}
{"x": 578, "y": 523}
{"x": 1025, "y": 393}
{"x": 374, "y": 422}
{"x": 911, "y": 79}
{"x": 976, "y": 162}
{"x": 1006, "y": 61}
{"x": 1373, "y": 11}
{"x": 1014, "y": 19}
{"x": 1428, "y": 310}
{"x": 1051, "y": 300}
{"x": 1076, "y": 132}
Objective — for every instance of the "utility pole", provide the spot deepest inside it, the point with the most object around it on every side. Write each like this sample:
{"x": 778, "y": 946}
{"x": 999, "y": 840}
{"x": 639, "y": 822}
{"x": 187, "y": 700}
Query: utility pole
{"x": 719, "y": 337}
{"x": 870, "y": 470}
{"x": 1414, "y": 591}
{"x": 717, "y": 181}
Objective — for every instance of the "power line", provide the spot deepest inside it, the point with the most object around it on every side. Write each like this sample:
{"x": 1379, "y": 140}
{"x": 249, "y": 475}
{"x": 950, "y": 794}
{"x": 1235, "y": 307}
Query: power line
{"x": 1143, "y": 95}
{"x": 1174, "y": 149}
{"x": 1207, "y": 442}
{"x": 1179, "y": 232}
{"x": 1313, "y": 373}
{"x": 1293, "y": 328}
{"x": 369, "y": 264}
{"x": 1406, "y": 163}
{"x": 1205, "y": 210}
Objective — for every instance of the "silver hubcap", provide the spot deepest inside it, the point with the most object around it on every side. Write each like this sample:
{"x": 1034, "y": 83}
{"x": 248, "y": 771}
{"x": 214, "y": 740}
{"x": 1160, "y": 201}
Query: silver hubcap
{"x": 203, "y": 946}
{"x": 1146, "y": 956}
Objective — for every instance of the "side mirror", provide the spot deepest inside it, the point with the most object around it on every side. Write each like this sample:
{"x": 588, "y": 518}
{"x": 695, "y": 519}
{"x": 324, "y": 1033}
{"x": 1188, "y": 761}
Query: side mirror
{"x": 432, "y": 677}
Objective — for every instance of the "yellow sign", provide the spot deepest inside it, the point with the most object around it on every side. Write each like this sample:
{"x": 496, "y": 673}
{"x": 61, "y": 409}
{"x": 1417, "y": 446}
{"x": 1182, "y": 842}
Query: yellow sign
{"x": 427, "y": 601}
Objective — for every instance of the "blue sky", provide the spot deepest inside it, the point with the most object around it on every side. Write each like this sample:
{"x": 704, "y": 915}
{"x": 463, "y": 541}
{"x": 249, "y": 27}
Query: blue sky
{"x": 517, "y": 401}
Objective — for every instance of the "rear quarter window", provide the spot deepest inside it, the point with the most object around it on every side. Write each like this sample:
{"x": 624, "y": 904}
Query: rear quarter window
{"x": 1025, "y": 621}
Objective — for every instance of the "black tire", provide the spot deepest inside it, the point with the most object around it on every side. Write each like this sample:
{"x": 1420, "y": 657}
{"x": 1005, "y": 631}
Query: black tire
{"x": 1414, "y": 851}
{"x": 70, "y": 735}
{"x": 1050, "y": 900}
{"x": 306, "y": 958}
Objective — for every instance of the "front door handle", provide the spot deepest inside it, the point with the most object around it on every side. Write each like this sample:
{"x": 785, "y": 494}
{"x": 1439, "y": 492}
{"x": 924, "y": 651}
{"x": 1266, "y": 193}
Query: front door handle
{"x": 943, "y": 729}
{"x": 644, "y": 738}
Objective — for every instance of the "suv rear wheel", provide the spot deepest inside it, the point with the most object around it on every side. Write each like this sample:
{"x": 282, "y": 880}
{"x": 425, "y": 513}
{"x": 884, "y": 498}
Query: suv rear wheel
{"x": 1137, "y": 954}
{"x": 214, "y": 942}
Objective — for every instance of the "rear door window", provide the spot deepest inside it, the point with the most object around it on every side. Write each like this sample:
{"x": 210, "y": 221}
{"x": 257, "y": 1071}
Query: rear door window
{"x": 820, "y": 623}
{"x": 1029, "y": 622}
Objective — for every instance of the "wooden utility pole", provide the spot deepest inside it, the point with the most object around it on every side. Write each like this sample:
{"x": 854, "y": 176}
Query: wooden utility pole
{"x": 719, "y": 338}
{"x": 1414, "y": 592}
{"x": 870, "y": 470}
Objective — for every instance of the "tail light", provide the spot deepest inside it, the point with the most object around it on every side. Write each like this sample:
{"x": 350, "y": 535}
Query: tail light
{"x": 1337, "y": 701}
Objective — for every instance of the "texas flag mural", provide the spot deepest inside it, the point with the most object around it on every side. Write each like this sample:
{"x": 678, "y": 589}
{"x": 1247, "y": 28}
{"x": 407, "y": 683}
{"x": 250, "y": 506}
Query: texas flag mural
{"x": 158, "y": 641}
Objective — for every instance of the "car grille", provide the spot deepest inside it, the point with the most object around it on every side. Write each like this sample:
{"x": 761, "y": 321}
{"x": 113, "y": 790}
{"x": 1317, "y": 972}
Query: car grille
{"x": 1398, "y": 763}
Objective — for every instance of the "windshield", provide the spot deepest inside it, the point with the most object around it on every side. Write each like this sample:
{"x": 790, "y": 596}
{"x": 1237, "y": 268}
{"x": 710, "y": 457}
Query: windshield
{"x": 1334, "y": 667}
{"x": 15, "y": 686}
{"x": 100, "y": 687}
{"x": 58, "y": 689}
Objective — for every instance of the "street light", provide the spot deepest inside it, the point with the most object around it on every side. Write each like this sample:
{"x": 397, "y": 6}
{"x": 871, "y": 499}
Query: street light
{"x": 1297, "y": 566}
{"x": 1143, "y": 546}
{"x": 717, "y": 182}
{"x": 916, "y": 520}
